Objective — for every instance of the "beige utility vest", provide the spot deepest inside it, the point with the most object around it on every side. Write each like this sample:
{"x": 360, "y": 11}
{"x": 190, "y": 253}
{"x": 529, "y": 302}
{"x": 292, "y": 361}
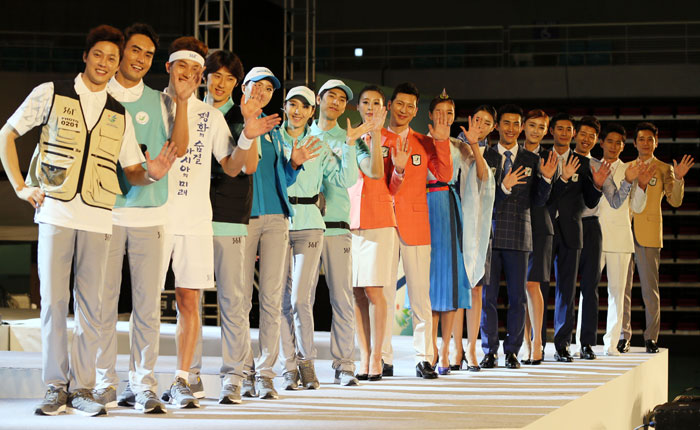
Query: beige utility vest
{"x": 71, "y": 159}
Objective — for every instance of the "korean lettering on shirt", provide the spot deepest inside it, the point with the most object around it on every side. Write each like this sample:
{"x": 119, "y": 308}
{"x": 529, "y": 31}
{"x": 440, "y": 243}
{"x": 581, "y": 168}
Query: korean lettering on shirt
{"x": 193, "y": 156}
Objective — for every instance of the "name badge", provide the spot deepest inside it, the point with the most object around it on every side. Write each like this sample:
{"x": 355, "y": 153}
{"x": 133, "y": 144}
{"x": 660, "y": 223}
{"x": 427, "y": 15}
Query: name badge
{"x": 528, "y": 171}
{"x": 415, "y": 159}
{"x": 652, "y": 181}
{"x": 69, "y": 123}
{"x": 574, "y": 177}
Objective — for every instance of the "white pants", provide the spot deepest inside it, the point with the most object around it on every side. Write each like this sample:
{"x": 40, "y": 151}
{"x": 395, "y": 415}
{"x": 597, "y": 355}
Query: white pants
{"x": 617, "y": 264}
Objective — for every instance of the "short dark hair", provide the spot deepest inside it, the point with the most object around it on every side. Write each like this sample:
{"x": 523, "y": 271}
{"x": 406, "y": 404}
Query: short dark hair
{"x": 646, "y": 126}
{"x": 226, "y": 59}
{"x": 489, "y": 110}
{"x": 589, "y": 121}
{"x": 536, "y": 113}
{"x": 510, "y": 108}
{"x": 613, "y": 127}
{"x": 406, "y": 88}
{"x": 442, "y": 98}
{"x": 188, "y": 43}
{"x": 561, "y": 116}
{"x": 141, "y": 28}
{"x": 105, "y": 33}
{"x": 371, "y": 88}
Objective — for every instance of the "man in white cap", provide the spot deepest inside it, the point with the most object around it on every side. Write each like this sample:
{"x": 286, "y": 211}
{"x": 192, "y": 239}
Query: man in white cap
{"x": 332, "y": 98}
{"x": 268, "y": 230}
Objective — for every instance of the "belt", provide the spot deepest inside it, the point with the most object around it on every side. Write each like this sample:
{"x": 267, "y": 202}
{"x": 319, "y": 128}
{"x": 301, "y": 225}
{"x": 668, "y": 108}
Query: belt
{"x": 337, "y": 224}
{"x": 303, "y": 200}
{"x": 433, "y": 186}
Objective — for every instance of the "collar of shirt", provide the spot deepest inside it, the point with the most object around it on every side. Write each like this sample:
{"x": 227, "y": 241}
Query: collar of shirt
{"x": 484, "y": 142}
{"x": 81, "y": 89}
{"x": 536, "y": 150}
{"x": 564, "y": 156}
{"x": 290, "y": 139}
{"x": 403, "y": 134}
{"x": 336, "y": 133}
{"x": 123, "y": 94}
{"x": 648, "y": 161}
{"x": 502, "y": 150}
{"x": 226, "y": 106}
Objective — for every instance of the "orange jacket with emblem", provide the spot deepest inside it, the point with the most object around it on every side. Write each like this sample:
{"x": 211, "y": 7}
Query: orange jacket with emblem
{"x": 411, "y": 203}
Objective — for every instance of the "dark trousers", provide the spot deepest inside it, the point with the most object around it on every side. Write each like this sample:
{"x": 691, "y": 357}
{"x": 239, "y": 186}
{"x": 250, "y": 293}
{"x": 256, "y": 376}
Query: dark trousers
{"x": 565, "y": 269}
{"x": 589, "y": 268}
{"x": 514, "y": 264}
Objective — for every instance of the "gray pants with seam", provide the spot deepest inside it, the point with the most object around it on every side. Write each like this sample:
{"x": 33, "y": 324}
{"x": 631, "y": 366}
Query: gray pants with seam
{"x": 301, "y": 276}
{"x": 59, "y": 247}
{"x": 337, "y": 264}
{"x": 647, "y": 261}
{"x": 145, "y": 248}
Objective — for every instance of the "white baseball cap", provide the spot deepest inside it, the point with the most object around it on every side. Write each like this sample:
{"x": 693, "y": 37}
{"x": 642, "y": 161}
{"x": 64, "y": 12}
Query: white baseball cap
{"x": 336, "y": 83}
{"x": 259, "y": 73}
{"x": 303, "y": 92}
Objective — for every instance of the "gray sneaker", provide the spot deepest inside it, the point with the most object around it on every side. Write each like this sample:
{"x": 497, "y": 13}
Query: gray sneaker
{"x": 265, "y": 387}
{"x": 82, "y": 402}
{"x": 54, "y": 402}
{"x": 127, "y": 398}
{"x": 346, "y": 378}
{"x": 148, "y": 403}
{"x": 197, "y": 388}
{"x": 106, "y": 396}
{"x": 180, "y": 395}
{"x": 291, "y": 380}
{"x": 248, "y": 386}
{"x": 308, "y": 375}
{"x": 230, "y": 395}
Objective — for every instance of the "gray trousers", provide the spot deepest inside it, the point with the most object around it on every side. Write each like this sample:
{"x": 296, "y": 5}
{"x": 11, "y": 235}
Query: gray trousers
{"x": 268, "y": 236}
{"x": 337, "y": 264}
{"x": 229, "y": 254}
{"x": 301, "y": 275}
{"x": 647, "y": 261}
{"x": 57, "y": 248}
{"x": 145, "y": 248}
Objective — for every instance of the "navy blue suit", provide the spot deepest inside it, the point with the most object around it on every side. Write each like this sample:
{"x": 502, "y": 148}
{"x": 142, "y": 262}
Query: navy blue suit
{"x": 511, "y": 242}
{"x": 566, "y": 204}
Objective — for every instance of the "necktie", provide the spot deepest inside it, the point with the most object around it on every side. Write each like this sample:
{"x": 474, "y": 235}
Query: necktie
{"x": 508, "y": 164}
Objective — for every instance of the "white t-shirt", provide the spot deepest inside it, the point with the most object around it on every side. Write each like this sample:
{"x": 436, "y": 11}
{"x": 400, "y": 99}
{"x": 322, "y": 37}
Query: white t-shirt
{"x": 74, "y": 214}
{"x": 140, "y": 217}
{"x": 189, "y": 207}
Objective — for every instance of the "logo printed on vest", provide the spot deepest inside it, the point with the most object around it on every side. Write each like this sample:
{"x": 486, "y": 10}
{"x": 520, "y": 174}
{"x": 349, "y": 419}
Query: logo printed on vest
{"x": 142, "y": 118}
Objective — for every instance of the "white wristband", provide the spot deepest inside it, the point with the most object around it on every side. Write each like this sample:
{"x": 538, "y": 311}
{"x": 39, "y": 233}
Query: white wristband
{"x": 243, "y": 141}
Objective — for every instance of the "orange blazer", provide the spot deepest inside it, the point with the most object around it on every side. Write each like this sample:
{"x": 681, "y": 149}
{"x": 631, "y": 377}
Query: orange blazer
{"x": 410, "y": 201}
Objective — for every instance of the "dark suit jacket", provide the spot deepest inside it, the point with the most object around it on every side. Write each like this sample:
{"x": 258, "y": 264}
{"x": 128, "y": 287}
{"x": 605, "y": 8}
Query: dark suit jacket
{"x": 511, "y": 212}
{"x": 541, "y": 221}
{"x": 570, "y": 198}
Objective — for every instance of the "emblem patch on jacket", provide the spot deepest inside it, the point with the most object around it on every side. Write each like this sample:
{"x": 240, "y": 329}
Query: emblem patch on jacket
{"x": 528, "y": 171}
{"x": 385, "y": 151}
{"x": 141, "y": 118}
{"x": 415, "y": 159}
{"x": 652, "y": 181}
{"x": 574, "y": 177}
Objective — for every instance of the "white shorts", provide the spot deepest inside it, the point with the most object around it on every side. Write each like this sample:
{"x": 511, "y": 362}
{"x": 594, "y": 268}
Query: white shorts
{"x": 193, "y": 260}
{"x": 373, "y": 252}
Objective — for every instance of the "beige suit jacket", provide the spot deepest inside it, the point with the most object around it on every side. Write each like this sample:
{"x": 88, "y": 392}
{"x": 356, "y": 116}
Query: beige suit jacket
{"x": 648, "y": 225}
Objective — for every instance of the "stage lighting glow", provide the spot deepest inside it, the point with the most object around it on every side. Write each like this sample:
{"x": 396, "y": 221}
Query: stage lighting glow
{"x": 359, "y": 52}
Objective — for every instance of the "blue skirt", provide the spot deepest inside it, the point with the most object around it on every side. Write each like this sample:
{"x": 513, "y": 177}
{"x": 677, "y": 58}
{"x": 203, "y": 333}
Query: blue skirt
{"x": 449, "y": 287}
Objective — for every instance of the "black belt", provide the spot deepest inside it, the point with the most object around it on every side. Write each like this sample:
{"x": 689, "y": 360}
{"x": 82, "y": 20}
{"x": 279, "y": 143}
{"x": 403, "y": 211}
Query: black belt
{"x": 437, "y": 184}
{"x": 337, "y": 224}
{"x": 303, "y": 200}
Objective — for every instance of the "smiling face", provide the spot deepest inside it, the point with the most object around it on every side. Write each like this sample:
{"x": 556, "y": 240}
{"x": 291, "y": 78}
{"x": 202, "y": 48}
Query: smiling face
{"x": 265, "y": 90}
{"x": 370, "y": 103}
{"x": 298, "y": 112}
{"x": 509, "y": 128}
{"x": 332, "y": 104}
{"x": 447, "y": 109}
{"x": 220, "y": 85}
{"x": 536, "y": 129}
{"x": 487, "y": 123}
{"x": 101, "y": 62}
{"x": 137, "y": 60}
{"x": 646, "y": 143}
{"x": 562, "y": 132}
{"x": 183, "y": 69}
{"x": 586, "y": 138}
{"x": 403, "y": 109}
{"x": 612, "y": 145}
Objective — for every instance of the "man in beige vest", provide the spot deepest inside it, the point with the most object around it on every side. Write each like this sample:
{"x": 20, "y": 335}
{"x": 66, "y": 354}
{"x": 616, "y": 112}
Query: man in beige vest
{"x": 647, "y": 229}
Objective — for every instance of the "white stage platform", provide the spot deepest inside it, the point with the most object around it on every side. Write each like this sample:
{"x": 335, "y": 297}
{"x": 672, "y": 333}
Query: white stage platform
{"x": 608, "y": 393}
